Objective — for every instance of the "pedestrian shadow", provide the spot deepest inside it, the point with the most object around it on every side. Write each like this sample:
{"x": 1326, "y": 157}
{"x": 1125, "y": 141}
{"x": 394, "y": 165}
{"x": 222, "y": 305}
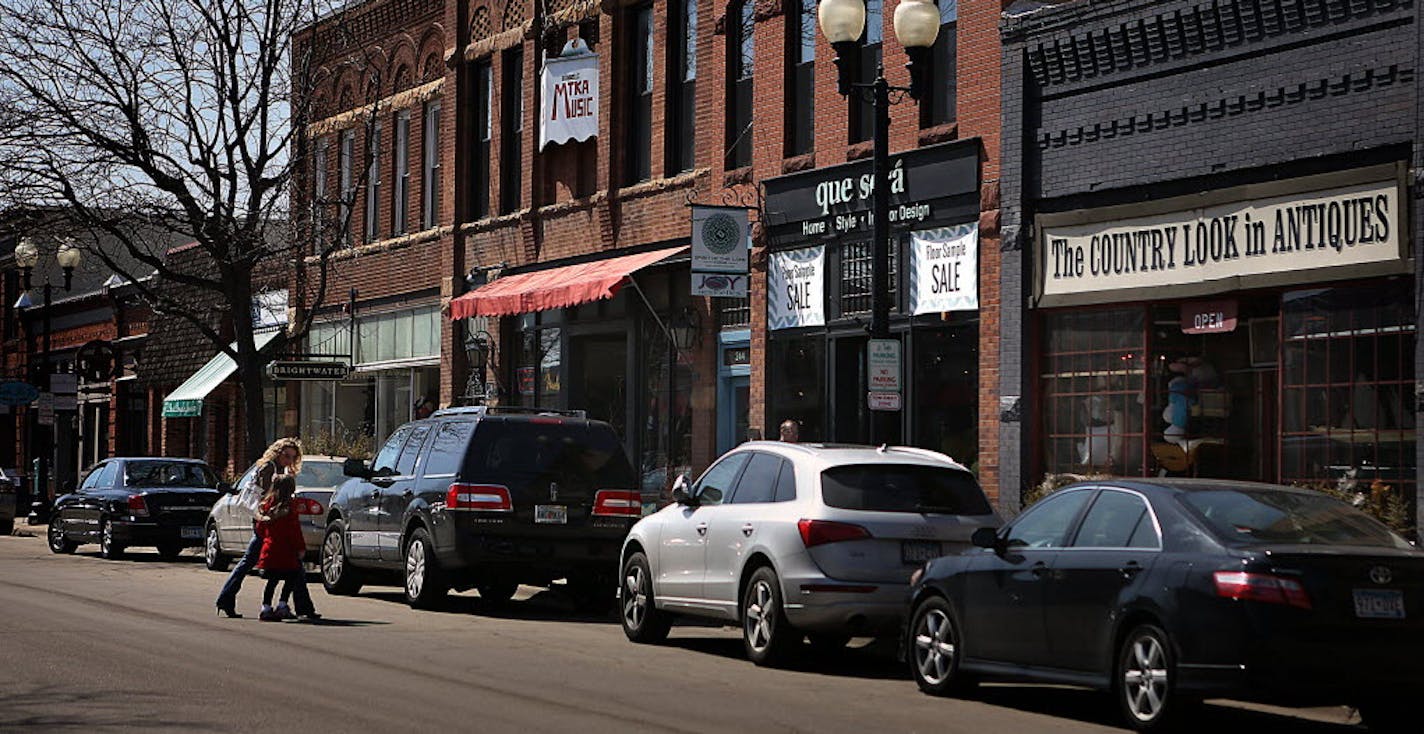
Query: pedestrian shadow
{"x": 72, "y": 707}
{"x": 863, "y": 658}
{"x": 143, "y": 555}
{"x": 547, "y": 605}
{"x": 1096, "y": 707}
{"x": 330, "y": 622}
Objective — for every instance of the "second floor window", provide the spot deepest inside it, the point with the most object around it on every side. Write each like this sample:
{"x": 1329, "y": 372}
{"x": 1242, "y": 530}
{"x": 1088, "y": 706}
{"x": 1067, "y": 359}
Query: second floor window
{"x": 373, "y": 183}
{"x": 511, "y": 104}
{"x": 400, "y": 193}
{"x": 639, "y": 131}
{"x": 681, "y": 133}
{"x": 862, "y": 112}
{"x": 938, "y": 106}
{"x": 346, "y": 158}
{"x": 741, "y": 62}
{"x": 484, "y": 126}
{"x": 430, "y": 168}
{"x": 801, "y": 79}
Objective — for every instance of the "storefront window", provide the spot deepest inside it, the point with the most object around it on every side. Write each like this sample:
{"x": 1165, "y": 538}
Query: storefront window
{"x": 797, "y": 389}
{"x": 1093, "y": 391}
{"x": 1347, "y": 377}
{"x": 665, "y": 445}
{"x": 855, "y": 290}
{"x": 536, "y": 374}
{"x": 946, "y": 379}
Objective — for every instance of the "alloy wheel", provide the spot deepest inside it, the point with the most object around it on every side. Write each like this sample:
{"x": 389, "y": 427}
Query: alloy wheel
{"x": 57, "y": 541}
{"x": 415, "y": 569}
{"x": 211, "y": 551}
{"x": 935, "y": 647}
{"x": 1144, "y": 678}
{"x": 635, "y": 598}
{"x": 333, "y": 558}
{"x": 761, "y": 616}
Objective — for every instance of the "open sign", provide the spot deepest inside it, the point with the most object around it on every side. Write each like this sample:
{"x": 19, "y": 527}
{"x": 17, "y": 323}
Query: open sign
{"x": 1209, "y": 317}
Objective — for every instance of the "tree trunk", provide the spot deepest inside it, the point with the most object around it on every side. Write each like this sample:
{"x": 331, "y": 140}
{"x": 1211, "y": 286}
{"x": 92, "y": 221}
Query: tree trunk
{"x": 254, "y": 418}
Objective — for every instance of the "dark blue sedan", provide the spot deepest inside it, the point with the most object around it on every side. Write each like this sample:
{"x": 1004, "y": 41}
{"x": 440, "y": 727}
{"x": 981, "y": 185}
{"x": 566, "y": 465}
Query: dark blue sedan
{"x": 1167, "y": 592}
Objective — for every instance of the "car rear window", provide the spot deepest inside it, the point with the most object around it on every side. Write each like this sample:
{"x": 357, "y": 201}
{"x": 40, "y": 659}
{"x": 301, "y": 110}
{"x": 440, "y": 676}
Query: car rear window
{"x": 903, "y": 488}
{"x": 521, "y": 450}
{"x": 320, "y": 474}
{"x": 1264, "y": 516}
{"x": 168, "y": 474}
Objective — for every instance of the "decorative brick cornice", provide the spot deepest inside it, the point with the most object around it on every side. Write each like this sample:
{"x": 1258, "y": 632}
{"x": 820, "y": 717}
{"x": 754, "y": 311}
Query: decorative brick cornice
{"x": 384, "y": 246}
{"x": 499, "y": 41}
{"x": 409, "y": 98}
{"x": 659, "y": 185}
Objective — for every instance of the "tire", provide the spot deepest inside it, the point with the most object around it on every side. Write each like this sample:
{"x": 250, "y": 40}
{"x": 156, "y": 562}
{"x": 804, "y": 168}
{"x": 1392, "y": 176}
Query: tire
{"x": 497, "y": 592}
{"x": 57, "y": 542}
{"x": 170, "y": 551}
{"x": 338, "y": 576}
{"x": 642, "y": 621}
{"x": 425, "y": 585}
{"x": 767, "y": 636}
{"x": 1389, "y": 717}
{"x": 213, "y": 556}
{"x": 935, "y": 649}
{"x": 1145, "y": 681}
{"x": 594, "y": 594}
{"x": 109, "y": 548}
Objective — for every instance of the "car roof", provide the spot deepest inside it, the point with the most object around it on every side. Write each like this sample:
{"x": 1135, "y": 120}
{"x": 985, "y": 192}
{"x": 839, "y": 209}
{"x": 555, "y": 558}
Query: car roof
{"x": 1177, "y": 485}
{"x": 322, "y": 457}
{"x": 176, "y": 459}
{"x": 826, "y": 455}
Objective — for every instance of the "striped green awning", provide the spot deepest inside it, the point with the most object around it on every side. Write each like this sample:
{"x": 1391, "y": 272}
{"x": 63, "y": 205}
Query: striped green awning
{"x": 187, "y": 400}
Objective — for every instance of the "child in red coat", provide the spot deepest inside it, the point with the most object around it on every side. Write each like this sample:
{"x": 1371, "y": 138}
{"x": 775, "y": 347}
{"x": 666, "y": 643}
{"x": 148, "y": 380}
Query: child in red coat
{"x": 282, "y": 549}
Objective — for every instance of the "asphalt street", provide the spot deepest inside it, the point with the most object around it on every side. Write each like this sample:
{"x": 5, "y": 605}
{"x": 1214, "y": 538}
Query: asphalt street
{"x": 94, "y": 645}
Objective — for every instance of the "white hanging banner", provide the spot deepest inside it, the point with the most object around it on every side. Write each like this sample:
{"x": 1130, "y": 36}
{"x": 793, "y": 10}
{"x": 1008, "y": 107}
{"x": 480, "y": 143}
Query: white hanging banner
{"x": 944, "y": 269}
{"x": 795, "y": 288}
{"x": 568, "y": 107}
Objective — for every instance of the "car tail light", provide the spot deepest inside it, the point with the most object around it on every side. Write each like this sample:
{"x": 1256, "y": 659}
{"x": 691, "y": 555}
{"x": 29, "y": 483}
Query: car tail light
{"x": 137, "y": 506}
{"x": 820, "y": 532}
{"x": 482, "y": 497}
{"x": 618, "y": 502}
{"x": 307, "y": 506}
{"x": 1261, "y": 587}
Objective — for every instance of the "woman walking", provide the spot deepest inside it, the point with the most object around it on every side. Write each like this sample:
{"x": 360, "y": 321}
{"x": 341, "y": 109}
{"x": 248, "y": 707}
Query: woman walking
{"x": 284, "y": 456}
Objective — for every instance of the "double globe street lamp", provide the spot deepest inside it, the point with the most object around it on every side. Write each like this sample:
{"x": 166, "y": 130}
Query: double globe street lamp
{"x": 916, "y": 27}
{"x": 27, "y": 257}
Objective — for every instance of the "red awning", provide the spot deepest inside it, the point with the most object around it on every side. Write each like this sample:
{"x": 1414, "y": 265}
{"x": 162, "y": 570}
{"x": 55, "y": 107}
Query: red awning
{"x": 569, "y": 285}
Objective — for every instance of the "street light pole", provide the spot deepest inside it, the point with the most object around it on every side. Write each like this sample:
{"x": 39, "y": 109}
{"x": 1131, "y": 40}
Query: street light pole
{"x": 882, "y": 422}
{"x": 27, "y": 256}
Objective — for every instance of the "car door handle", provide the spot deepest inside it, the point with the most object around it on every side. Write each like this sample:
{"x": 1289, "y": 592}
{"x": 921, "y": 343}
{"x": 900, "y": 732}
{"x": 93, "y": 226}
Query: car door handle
{"x": 1039, "y": 569}
{"x": 748, "y": 529}
{"x": 702, "y": 528}
{"x": 1131, "y": 569}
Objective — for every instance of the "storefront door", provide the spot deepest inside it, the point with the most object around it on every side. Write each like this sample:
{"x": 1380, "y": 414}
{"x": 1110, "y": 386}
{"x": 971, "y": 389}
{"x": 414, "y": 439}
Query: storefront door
{"x": 598, "y": 382}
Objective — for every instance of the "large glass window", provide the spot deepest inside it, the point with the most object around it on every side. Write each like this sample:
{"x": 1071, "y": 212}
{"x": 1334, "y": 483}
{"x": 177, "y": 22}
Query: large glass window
{"x": 937, "y": 107}
{"x": 682, "y": 85}
{"x": 638, "y": 140}
{"x": 484, "y": 127}
{"x": 798, "y": 370}
{"x": 945, "y": 367}
{"x": 800, "y": 78}
{"x": 665, "y": 445}
{"x": 1093, "y": 384}
{"x": 536, "y": 373}
{"x": 741, "y": 63}
{"x": 430, "y": 169}
{"x": 855, "y": 282}
{"x": 372, "y": 210}
{"x": 1347, "y": 377}
{"x": 511, "y": 162}
{"x": 346, "y": 155}
{"x": 400, "y": 191}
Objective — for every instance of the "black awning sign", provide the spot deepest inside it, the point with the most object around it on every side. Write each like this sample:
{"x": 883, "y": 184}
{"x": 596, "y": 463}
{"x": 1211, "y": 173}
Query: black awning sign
{"x": 308, "y": 370}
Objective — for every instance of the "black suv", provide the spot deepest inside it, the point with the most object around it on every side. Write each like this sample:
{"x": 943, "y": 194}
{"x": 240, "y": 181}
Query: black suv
{"x": 486, "y": 498}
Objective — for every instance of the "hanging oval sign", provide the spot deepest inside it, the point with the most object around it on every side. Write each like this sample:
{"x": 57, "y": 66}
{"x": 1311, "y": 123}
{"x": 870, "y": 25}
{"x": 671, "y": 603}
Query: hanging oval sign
{"x": 14, "y": 392}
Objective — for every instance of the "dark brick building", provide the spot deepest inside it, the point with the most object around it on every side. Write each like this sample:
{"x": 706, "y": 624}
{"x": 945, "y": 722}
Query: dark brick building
{"x": 1211, "y": 219}
{"x": 699, "y": 102}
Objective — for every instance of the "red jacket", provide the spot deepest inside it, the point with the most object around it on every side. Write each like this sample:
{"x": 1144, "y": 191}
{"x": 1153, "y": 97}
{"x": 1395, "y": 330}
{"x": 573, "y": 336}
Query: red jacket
{"x": 282, "y": 543}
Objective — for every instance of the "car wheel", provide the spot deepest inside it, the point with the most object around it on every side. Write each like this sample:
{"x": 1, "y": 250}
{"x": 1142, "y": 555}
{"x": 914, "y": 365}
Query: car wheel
{"x": 642, "y": 621}
{"x": 108, "y": 547}
{"x": 1388, "y": 717}
{"x": 766, "y": 633}
{"x": 338, "y": 576}
{"x": 497, "y": 592}
{"x": 935, "y": 649}
{"x": 1146, "y": 678}
{"x": 213, "y": 556}
{"x": 170, "y": 551}
{"x": 57, "y": 542}
{"x": 425, "y": 585}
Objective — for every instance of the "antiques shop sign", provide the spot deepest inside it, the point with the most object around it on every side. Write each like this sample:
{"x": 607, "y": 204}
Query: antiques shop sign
{"x": 1227, "y": 246}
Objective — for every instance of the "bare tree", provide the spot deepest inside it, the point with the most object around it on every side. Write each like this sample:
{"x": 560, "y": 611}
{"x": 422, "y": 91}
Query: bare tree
{"x": 187, "y": 116}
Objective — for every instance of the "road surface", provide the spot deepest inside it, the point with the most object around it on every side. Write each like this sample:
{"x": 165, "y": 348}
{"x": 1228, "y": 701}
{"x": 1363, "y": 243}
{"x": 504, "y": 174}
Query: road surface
{"x": 94, "y": 645}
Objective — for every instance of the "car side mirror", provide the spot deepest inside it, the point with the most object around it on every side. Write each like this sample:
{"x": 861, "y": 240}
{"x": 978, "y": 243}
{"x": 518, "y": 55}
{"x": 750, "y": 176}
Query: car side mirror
{"x": 356, "y": 468}
{"x": 986, "y": 538}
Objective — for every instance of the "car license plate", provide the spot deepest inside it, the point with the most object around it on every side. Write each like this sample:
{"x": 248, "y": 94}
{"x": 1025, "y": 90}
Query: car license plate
{"x": 1379, "y": 603}
{"x": 551, "y": 514}
{"x": 191, "y": 531}
{"x": 919, "y": 551}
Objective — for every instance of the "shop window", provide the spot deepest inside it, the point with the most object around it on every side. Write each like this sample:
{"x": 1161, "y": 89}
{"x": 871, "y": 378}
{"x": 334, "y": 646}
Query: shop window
{"x": 797, "y": 390}
{"x": 946, "y": 385}
{"x": 801, "y": 79}
{"x": 1347, "y": 379}
{"x": 536, "y": 372}
{"x": 741, "y": 63}
{"x": 867, "y": 66}
{"x": 682, "y": 85}
{"x": 1094, "y": 375}
{"x": 665, "y": 446}
{"x": 937, "y": 107}
{"x": 638, "y": 133}
{"x": 855, "y": 282}
{"x": 733, "y": 312}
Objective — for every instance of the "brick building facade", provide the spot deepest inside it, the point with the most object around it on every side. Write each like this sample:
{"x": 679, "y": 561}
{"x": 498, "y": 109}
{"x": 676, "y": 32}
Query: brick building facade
{"x": 699, "y": 102}
{"x": 1277, "y": 340}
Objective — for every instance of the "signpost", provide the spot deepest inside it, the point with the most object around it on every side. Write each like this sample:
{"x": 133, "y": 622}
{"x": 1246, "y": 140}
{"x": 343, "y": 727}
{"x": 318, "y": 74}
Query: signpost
{"x": 307, "y": 369}
{"x": 884, "y": 367}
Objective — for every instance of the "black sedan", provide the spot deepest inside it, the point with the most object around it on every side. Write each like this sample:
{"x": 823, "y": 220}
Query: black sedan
{"x": 1167, "y": 592}
{"x": 136, "y": 501}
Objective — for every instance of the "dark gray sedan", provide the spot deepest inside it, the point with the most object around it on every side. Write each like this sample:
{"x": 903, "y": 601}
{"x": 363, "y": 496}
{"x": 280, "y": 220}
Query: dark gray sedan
{"x": 126, "y": 502}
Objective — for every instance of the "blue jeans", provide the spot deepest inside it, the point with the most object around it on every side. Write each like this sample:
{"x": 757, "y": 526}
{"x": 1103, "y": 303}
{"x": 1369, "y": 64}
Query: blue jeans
{"x": 227, "y": 598}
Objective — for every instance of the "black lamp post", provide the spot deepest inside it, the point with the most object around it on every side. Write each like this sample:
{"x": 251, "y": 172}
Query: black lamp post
{"x": 27, "y": 256}
{"x": 916, "y": 26}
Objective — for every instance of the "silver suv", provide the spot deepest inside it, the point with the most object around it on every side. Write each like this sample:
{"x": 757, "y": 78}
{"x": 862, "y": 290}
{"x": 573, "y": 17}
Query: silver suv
{"x": 798, "y": 540}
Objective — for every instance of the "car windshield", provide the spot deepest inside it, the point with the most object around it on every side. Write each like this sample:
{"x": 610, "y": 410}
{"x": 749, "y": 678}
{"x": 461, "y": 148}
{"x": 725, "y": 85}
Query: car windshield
{"x": 1268, "y": 516}
{"x": 320, "y": 474}
{"x": 903, "y": 488}
{"x": 168, "y": 474}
